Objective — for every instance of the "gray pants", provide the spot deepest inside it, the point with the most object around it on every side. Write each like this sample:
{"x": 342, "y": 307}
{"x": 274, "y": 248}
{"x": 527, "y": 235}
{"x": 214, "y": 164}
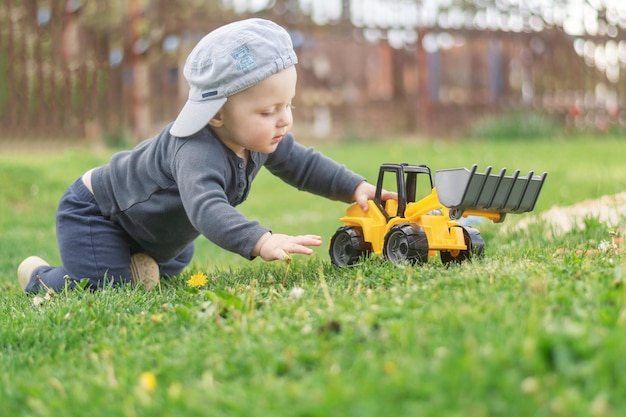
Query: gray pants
{"x": 93, "y": 247}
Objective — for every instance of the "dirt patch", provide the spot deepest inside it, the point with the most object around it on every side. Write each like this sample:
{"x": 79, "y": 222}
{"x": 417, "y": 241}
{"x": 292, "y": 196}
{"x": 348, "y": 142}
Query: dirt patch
{"x": 610, "y": 209}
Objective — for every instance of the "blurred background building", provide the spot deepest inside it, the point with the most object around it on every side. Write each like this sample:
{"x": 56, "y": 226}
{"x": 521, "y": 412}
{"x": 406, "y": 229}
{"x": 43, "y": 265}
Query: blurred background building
{"x": 112, "y": 69}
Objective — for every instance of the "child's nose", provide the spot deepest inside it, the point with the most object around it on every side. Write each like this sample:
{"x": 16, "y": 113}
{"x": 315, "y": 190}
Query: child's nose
{"x": 285, "y": 118}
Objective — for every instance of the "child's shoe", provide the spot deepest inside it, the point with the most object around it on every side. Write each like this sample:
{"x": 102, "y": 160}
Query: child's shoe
{"x": 144, "y": 271}
{"x": 26, "y": 269}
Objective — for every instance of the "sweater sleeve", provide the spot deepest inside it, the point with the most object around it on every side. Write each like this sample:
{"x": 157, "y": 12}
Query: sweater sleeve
{"x": 203, "y": 175}
{"x": 308, "y": 170}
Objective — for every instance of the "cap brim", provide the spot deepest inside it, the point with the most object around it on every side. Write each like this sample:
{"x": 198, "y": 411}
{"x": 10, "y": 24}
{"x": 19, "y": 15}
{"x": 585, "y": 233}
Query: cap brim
{"x": 194, "y": 116}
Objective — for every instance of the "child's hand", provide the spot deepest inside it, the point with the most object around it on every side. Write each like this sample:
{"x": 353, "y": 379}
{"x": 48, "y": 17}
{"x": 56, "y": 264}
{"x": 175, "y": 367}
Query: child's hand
{"x": 366, "y": 191}
{"x": 273, "y": 247}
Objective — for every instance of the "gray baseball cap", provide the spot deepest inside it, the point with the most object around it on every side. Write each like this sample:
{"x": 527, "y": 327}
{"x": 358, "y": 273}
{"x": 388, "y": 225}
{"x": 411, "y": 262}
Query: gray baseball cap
{"x": 227, "y": 61}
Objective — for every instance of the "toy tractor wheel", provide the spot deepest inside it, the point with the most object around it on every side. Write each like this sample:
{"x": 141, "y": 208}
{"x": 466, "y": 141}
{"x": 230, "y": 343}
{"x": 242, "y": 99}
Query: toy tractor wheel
{"x": 475, "y": 248}
{"x": 406, "y": 242}
{"x": 347, "y": 246}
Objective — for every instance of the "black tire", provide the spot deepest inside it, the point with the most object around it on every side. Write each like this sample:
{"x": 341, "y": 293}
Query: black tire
{"x": 475, "y": 248}
{"x": 347, "y": 246}
{"x": 406, "y": 242}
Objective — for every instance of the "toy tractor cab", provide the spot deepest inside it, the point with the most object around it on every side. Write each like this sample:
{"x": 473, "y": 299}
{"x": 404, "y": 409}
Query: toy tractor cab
{"x": 408, "y": 230}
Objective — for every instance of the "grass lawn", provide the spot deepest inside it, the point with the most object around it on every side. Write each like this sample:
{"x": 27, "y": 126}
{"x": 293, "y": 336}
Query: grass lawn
{"x": 521, "y": 332}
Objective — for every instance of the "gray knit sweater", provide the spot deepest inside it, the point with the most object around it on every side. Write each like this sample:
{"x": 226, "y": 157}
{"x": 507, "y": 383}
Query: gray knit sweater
{"x": 167, "y": 191}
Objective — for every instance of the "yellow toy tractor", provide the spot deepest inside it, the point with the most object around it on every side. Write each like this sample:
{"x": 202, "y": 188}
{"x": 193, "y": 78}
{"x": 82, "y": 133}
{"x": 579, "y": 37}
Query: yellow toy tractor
{"x": 410, "y": 231}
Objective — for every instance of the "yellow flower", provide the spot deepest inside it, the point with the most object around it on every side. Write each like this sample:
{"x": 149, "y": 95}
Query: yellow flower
{"x": 197, "y": 280}
{"x": 147, "y": 382}
{"x": 390, "y": 367}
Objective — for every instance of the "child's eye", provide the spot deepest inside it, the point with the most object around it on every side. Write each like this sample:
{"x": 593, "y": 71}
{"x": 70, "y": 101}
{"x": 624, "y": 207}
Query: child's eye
{"x": 272, "y": 112}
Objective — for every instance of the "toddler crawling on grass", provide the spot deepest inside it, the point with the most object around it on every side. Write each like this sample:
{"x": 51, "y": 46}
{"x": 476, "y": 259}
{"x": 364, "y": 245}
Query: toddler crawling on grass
{"x": 136, "y": 218}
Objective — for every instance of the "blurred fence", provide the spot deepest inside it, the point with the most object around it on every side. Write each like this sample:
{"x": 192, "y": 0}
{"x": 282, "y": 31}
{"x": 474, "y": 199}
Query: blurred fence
{"x": 111, "y": 69}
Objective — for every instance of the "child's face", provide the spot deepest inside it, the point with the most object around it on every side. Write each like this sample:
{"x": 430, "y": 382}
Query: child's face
{"x": 256, "y": 119}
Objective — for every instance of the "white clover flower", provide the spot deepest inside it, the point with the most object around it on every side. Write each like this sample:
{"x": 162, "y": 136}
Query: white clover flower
{"x": 296, "y": 293}
{"x": 37, "y": 301}
{"x": 605, "y": 246}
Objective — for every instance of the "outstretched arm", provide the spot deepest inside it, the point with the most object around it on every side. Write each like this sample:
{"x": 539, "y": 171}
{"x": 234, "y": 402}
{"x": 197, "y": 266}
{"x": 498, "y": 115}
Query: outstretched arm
{"x": 272, "y": 247}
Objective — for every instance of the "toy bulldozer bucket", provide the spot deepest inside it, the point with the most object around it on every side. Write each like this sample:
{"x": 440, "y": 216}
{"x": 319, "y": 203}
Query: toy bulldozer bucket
{"x": 462, "y": 190}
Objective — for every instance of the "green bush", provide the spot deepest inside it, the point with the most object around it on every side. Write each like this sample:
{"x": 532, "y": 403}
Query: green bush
{"x": 516, "y": 125}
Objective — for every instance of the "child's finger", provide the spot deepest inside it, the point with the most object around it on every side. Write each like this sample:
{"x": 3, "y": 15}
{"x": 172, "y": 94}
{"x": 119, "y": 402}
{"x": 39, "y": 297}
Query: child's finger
{"x": 389, "y": 195}
{"x": 306, "y": 240}
{"x": 361, "y": 200}
{"x": 295, "y": 249}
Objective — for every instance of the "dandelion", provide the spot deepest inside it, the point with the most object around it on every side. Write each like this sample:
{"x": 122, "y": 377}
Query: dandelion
{"x": 390, "y": 367}
{"x": 197, "y": 280}
{"x": 147, "y": 382}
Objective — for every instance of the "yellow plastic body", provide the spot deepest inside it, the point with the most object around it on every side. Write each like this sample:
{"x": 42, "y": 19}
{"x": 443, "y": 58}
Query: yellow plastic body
{"x": 443, "y": 234}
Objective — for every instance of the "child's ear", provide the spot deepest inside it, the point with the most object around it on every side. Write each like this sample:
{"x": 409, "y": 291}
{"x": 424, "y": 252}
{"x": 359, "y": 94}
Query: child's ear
{"x": 216, "y": 121}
